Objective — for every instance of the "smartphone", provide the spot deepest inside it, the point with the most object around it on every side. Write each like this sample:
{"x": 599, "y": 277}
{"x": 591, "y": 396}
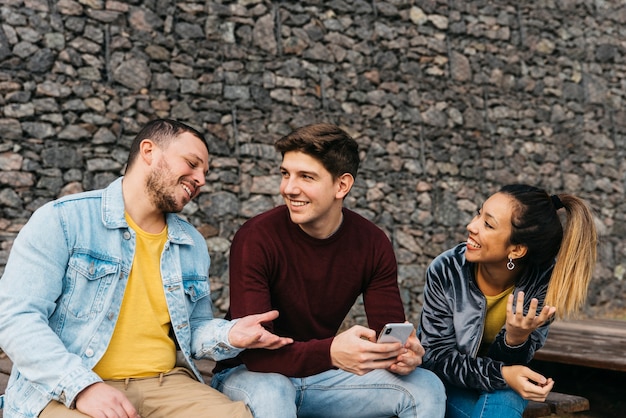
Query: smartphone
{"x": 395, "y": 332}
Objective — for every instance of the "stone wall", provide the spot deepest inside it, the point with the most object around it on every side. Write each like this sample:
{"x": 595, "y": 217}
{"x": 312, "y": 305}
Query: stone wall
{"x": 448, "y": 99}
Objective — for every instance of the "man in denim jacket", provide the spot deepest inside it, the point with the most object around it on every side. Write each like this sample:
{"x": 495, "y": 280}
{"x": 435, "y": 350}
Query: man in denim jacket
{"x": 106, "y": 292}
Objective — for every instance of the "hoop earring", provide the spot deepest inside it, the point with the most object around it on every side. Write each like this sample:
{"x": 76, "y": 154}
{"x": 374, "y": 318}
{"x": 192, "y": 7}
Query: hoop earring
{"x": 510, "y": 264}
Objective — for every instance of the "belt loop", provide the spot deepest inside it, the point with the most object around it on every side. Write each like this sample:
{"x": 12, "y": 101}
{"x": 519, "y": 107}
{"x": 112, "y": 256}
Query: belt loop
{"x": 160, "y": 379}
{"x": 126, "y": 382}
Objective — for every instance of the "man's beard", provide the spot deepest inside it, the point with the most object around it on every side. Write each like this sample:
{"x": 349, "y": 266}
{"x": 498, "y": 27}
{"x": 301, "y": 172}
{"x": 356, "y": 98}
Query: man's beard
{"x": 160, "y": 191}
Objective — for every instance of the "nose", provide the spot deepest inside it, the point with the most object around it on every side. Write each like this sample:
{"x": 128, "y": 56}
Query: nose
{"x": 199, "y": 177}
{"x": 289, "y": 186}
{"x": 471, "y": 227}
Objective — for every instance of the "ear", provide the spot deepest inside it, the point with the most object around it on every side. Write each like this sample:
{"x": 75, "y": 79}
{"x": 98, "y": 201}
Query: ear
{"x": 146, "y": 151}
{"x": 344, "y": 183}
{"x": 518, "y": 251}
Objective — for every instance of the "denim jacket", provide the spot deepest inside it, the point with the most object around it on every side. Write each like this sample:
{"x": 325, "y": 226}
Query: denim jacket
{"x": 62, "y": 289}
{"x": 453, "y": 319}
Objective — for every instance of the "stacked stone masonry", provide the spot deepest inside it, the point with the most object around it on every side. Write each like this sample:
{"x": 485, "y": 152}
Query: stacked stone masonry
{"x": 448, "y": 99}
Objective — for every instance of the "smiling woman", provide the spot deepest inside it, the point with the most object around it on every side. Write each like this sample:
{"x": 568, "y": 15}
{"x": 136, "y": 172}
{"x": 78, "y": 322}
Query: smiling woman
{"x": 488, "y": 302}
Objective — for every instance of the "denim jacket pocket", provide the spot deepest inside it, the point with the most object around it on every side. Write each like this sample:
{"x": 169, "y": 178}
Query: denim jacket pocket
{"x": 87, "y": 280}
{"x": 196, "y": 289}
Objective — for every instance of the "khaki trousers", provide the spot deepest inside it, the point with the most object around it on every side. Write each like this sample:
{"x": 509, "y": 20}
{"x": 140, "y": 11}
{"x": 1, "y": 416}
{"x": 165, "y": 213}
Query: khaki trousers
{"x": 176, "y": 394}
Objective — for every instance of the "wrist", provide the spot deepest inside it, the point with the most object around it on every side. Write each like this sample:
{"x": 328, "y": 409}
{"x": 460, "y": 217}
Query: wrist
{"x": 513, "y": 342}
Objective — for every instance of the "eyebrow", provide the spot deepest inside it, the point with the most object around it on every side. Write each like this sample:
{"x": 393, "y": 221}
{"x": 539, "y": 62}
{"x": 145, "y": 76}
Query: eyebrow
{"x": 491, "y": 217}
{"x": 308, "y": 173}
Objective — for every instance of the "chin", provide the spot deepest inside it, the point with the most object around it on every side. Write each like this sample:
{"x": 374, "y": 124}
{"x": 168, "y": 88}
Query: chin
{"x": 471, "y": 257}
{"x": 297, "y": 218}
{"x": 294, "y": 218}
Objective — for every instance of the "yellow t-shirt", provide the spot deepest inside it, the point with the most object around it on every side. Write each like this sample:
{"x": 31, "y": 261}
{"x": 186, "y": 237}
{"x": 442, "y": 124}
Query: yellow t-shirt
{"x": 495, "y": 317}
{"x": 141, "y": 345}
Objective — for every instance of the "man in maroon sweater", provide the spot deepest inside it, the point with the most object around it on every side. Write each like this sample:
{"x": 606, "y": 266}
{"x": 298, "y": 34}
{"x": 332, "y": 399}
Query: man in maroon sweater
{"x": 311, "y": 259}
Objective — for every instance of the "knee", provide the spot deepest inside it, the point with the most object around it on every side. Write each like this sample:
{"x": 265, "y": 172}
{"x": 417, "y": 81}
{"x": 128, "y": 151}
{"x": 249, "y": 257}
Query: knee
{"x": 429, "y": 393}
{"x": 428, "y": 382}
{"x": 271, "y": 395}
{"x": 273, "y": 387}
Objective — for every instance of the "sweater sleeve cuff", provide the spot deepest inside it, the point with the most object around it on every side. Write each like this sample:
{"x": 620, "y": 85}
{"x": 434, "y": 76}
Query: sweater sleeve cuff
{"x": 513, "y": 347}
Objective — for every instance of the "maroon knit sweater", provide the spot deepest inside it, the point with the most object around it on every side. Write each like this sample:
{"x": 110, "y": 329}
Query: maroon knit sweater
{"x": 313, "y": 283}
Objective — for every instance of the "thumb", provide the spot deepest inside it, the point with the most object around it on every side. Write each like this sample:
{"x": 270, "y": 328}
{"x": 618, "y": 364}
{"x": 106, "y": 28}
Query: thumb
{"x": 266, "y": 316}
{"x": 363, "y": 332}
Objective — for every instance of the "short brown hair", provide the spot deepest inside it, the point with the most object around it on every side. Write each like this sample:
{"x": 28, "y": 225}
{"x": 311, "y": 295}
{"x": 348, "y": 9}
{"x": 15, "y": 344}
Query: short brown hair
{"x": 327, "y": 143}
{"x": 161, "y": 131}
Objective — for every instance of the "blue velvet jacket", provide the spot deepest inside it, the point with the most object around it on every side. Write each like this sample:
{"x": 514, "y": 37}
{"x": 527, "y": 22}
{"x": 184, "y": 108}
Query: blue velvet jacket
{"x": 452, "y": 323}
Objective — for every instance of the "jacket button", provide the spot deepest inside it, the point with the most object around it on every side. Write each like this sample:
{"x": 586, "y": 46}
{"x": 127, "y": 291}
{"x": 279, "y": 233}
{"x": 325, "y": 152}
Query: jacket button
{"x": 126, "y": 235}
{"x": 89, "y": 352}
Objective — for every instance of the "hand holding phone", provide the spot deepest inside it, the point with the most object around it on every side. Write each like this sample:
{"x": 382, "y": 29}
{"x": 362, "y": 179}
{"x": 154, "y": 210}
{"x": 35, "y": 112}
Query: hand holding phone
{"x": 395, "y": 332}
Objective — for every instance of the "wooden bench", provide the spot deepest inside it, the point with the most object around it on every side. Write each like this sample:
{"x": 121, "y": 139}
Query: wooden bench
{"x": 599, "y": 343}
{"x": 556, "y": 403}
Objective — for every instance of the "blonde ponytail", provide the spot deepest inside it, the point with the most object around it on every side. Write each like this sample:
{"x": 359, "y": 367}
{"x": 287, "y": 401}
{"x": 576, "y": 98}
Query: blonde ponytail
{"x": 575, "y": 261}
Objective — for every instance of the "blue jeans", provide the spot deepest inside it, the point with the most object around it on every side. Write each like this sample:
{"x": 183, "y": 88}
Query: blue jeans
{"x": 335, "y": 393}
{"x": 471, "y": 403}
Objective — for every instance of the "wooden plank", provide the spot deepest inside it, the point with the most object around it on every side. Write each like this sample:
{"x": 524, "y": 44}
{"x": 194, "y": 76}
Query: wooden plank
{"x": 609, "y": 327}
{"x": 5, "y": 364}
{"x": 537, "y": 410}
{"x": 556, "y": 403}
{"x": 599, "y": 343}
{"x": 561, "y": 403}
{"x": 206, "y": 368}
